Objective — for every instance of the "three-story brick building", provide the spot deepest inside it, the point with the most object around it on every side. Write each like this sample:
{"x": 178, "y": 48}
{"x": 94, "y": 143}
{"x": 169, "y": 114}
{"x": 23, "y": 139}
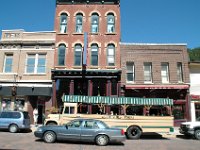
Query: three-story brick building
{"x": 87, "y": 53}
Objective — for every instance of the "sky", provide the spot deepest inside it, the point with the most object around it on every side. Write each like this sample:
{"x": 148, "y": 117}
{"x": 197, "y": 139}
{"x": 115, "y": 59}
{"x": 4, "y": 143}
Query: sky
{"x": 142, "y": 21}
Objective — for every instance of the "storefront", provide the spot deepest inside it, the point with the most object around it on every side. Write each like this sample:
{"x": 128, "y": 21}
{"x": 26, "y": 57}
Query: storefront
{"x": 179, "y": 93}
{"x": 25, "y": 98}
{"x": 86, "y": 83}
{"x": 195, "y": 107}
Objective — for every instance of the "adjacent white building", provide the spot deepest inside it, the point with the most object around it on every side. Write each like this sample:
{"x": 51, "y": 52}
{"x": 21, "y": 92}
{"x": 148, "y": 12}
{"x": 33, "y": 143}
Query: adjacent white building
{"x": 195, "y": 89}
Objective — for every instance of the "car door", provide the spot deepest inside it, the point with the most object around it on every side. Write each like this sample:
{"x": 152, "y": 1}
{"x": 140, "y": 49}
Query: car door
{"x": 71, "y": 131}
{"x": 89, "y": 130}
{"x": 4, "y": 120}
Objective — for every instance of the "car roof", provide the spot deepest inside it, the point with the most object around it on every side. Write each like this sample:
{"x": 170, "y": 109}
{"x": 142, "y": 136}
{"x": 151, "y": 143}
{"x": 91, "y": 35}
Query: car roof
{"x": 13, "y": 111}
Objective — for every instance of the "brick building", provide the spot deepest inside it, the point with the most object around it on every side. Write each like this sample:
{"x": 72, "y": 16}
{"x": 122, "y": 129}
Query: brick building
{"x": 87, "y": 53}
{"x": 156, "y": 71}
{"x": 25, "y": 70}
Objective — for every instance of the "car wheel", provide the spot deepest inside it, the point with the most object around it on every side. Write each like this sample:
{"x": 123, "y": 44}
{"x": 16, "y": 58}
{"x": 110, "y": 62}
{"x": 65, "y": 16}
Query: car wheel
{"x": 197, "y": 134}
{"x": 134, "y": 132}
{"x": 13, "y": 128}
{"x": 49, "y": 137}
{"x": 102, "y": 140}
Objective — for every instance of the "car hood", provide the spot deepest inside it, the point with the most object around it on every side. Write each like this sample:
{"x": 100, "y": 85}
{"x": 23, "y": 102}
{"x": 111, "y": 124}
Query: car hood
{"x": 191, "y": 123}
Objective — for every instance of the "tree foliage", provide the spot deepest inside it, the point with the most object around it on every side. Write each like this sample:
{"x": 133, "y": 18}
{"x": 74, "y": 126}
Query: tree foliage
{"x": 194, "y": 54}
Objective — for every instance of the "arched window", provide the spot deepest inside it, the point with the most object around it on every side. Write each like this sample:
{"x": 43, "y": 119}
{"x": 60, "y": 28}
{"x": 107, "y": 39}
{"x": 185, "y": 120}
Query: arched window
{"x": 95, "y": 23}
{"x": 78, "y": 55}
{"x": 111, "y": 55}
{"x": 94, "y": 55}
{"x": 63, "y": 23}
{"x": 79, "y": 23}
{"x": 110, "y": 23}
{"x": 61, "y": 54}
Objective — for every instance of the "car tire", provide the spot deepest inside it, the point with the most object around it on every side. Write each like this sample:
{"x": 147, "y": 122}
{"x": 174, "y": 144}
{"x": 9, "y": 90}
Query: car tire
{"x": 49, "y": 137}
{"x": 13, "y": 128}
{"x": 133, "y": 132}
{"x": 197, "y": 134}
{"x": 102, "y": 140}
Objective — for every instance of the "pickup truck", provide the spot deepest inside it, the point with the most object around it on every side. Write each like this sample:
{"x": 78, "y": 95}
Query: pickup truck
{"x": 191, "y": 128}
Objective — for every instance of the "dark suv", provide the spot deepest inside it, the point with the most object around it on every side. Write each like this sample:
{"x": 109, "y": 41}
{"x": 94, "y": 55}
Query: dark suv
{"x": 14, "y": 120}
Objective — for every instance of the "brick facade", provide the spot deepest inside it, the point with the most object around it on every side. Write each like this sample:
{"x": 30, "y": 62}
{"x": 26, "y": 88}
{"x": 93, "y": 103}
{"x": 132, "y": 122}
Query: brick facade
{"x": 33, "y": 89}
{"x": 156, "y": 54}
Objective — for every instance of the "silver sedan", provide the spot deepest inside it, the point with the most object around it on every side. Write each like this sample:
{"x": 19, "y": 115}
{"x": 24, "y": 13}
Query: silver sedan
{"x": 86, "y": 130}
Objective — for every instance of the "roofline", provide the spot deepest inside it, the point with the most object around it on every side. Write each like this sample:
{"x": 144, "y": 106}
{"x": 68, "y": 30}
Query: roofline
{"x": 176, "y": 44}
{"x": 15, "y": 30}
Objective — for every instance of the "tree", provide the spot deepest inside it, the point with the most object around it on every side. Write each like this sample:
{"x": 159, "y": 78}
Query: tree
{"x": 194, "y": 54}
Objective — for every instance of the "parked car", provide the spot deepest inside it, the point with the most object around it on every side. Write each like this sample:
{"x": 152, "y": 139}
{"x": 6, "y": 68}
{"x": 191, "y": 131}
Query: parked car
{"x": 191, "y": 128}
{"x": 89, "y": 130}
{"x": 14, "y": 121}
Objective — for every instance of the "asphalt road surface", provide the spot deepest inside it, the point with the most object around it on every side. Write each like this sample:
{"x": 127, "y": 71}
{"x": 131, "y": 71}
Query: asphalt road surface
{"x": 27, "y": 141}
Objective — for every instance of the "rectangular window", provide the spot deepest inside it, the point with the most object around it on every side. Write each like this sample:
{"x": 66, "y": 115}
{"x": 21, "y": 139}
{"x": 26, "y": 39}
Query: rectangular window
{"x": 69, "y": 110}
{"x": 94, "y": 56}
{"x": 110, "y": 23}
{"x": 8, "y": 63}
{"x": 79, "y": 24}
{"x": 78, "y": 56}
{"x": 179, "y": 72}
{"x": 165, "y": 72}
{"x": 36, "y": 63}
{"x": 147, "y": 72}
{"x": 130, "y": 72}
{"x": 111, "y": 55}
{"x": 95, "y": 24}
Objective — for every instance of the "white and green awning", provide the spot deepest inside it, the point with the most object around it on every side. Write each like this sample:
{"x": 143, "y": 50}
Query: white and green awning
{"x": 116, "y": 100}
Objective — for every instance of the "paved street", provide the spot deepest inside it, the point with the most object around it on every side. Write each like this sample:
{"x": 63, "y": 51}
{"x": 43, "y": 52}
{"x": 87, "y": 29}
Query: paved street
{"x": 27, "y": 141}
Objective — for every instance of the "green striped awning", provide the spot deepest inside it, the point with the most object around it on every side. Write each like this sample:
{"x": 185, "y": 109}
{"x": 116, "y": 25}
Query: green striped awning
{"x": 116, "y": 100}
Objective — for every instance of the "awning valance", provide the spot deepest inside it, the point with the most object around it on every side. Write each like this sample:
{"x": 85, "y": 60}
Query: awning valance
{"x": 116, "y": 100}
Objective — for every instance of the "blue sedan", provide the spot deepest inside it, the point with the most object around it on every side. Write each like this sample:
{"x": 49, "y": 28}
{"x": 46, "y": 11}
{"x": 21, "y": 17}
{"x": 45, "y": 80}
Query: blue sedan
{"x": 87, "y": 130}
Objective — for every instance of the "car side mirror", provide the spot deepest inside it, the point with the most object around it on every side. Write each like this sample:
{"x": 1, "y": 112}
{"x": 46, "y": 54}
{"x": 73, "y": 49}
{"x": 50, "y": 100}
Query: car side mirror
{"x": 66, "y": 126}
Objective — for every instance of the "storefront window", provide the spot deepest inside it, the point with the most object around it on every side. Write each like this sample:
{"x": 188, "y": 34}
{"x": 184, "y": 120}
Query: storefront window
{"x": 6, "y": 104}
{"x": 197, "y": 110}
{"x": 178, "y": 111}
{"x": 19, "y": 104}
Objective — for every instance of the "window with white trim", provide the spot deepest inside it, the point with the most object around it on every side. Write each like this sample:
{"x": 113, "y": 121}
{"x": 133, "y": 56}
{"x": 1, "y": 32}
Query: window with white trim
{"x": 79, "y": 23}
{"x": 8, "y": 63}
{"x": 111, "y": 55}
{"x": 95, "y": 23}
{"x": 94, "y": 55}
{"x": 78, "y": 55}
{"x": 130, "y": 72}
{"x": 36, "y": 63}
{"x": 147, "y": 72}
{"x": 165, "y": 72}
{"x": 179, "y": 72}
{"x": 61, "y": 54}
{"x": 63, "y": 23}
{"x": 110, "y": 23}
